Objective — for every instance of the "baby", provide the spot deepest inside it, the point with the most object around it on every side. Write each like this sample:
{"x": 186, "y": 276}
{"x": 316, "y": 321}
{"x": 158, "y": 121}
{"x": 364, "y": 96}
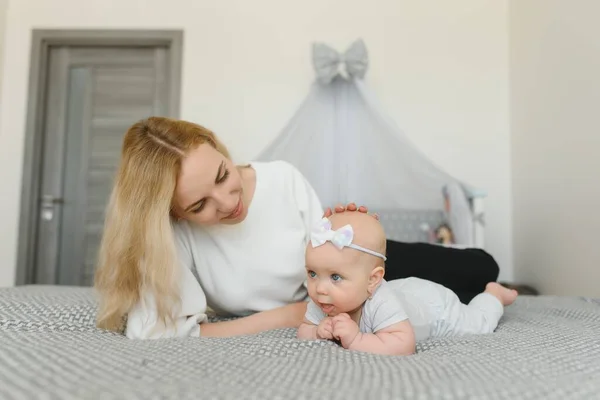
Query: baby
{"x": 352, "y": 303}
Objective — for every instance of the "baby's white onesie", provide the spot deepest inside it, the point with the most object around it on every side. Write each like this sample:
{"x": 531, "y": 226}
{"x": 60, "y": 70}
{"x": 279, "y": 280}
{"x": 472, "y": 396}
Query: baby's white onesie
{"x": 432, "y": 309}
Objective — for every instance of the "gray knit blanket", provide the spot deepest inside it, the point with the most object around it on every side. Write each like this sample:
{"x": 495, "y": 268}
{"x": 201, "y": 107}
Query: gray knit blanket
{"x": 544, "y": 348}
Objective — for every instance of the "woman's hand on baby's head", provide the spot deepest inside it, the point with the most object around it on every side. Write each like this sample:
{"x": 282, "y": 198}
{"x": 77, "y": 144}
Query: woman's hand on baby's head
{"x": 349, "y": 207}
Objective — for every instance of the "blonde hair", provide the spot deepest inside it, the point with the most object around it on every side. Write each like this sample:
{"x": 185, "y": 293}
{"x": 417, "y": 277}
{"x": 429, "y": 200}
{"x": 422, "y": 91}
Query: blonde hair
{"x": 137, "y": 252}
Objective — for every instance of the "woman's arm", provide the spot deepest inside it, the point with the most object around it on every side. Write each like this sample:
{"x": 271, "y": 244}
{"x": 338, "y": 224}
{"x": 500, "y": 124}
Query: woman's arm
{"x": 143, "y": 321}
{"x": 307, "y": 331}
{"x": 289, "y": 316}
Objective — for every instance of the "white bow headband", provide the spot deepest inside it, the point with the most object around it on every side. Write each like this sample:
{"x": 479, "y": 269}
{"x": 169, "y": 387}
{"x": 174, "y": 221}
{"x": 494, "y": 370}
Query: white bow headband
{"x": 340, "y": 238}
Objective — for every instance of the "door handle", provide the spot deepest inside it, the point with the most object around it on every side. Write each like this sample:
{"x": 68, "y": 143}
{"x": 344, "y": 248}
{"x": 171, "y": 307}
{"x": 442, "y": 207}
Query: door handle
{"x": 48, "y": 203}
{"x": 49, "y": 200}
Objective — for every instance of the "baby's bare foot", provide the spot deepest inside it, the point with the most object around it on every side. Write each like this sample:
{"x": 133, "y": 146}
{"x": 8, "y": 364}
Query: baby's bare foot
{"x": 505, "y": 295}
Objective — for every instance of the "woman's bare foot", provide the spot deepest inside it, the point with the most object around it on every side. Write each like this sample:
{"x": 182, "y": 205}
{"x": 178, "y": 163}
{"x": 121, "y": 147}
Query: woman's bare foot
{"x": 505, "y": 295}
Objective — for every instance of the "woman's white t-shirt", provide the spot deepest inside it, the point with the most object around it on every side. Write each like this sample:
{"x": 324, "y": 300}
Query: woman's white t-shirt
{"x": 239, "y": 269}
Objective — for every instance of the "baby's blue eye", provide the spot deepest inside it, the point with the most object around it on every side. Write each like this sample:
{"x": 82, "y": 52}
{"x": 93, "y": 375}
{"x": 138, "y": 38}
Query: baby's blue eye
{"x": 311, "y": 274}
{"x": 336, "y": 277}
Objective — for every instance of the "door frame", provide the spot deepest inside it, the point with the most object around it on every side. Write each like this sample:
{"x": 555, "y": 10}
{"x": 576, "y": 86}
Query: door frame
{"x": 41, "y": 41}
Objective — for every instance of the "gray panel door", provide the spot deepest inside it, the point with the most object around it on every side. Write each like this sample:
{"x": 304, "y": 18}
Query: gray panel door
{"x": 94, "y": 95}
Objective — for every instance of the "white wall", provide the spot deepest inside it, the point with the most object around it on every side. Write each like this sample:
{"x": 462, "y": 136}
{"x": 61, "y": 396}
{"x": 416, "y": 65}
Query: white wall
{"x": 555, "y": 100}
{"x": 3, "y": 10}
{"x": 440, "y": 68}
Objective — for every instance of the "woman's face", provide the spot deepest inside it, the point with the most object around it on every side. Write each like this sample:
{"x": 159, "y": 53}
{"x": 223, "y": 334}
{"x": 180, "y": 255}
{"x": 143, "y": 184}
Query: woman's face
{"x": 209, "y": 189}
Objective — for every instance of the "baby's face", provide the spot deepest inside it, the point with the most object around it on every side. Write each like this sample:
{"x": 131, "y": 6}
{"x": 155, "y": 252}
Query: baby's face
{"x": 338, "y": 280}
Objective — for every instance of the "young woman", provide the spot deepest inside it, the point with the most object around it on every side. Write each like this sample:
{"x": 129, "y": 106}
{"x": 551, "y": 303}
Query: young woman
{"x": 187, "y": 229}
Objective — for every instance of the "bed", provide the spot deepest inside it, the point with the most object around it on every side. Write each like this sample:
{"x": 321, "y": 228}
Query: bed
{"x": 544, "y": 348}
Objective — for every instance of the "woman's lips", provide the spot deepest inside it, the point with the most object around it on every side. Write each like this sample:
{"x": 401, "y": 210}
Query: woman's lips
{"x": 238, "y": 210}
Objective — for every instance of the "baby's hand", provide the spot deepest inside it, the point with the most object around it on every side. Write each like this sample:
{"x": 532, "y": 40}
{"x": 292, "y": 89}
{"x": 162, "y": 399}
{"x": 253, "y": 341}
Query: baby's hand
{"x": 325, "y": 329}
{"x": 345, "y": 329}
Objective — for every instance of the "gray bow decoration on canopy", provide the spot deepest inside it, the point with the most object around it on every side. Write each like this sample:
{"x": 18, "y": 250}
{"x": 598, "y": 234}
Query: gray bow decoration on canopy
{"x": 327, "y": 61}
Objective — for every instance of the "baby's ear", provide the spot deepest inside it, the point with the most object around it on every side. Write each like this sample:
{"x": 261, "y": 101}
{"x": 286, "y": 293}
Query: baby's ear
{"x": 375, "y": 278}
